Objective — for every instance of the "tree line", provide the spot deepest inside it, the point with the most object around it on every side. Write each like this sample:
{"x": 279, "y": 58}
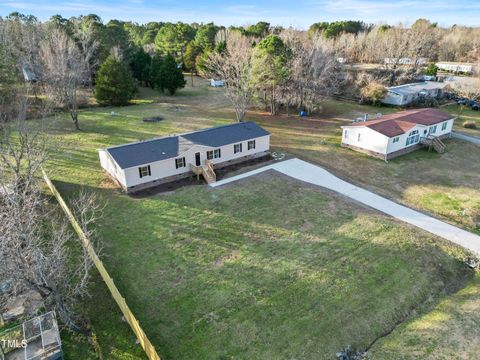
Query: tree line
{"x": 281, "y": 68}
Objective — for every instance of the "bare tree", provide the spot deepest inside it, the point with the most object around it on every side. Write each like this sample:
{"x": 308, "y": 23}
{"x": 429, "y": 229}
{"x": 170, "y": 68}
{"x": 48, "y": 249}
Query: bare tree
{"x": 234, "y": 66}
{"x": 66, "y": 71}
{"x": 314, "y": 71}
{"x": 393, "y": 46}
{"x": 37, "y": 248}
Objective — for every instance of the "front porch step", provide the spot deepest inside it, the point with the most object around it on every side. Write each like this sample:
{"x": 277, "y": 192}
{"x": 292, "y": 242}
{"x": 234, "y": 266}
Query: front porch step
{"x": 206, "y": 171}
{"x": 435, "y": 143}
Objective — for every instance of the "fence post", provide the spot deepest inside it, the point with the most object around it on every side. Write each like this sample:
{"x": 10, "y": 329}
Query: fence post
{"x": 119, "y": 299}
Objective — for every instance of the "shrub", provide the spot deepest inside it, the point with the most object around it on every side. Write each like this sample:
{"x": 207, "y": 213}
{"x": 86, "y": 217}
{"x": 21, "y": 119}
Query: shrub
{"x": 114, "y": 83}
{"x": 469, "y": 125}
{"x": 374, "y": 92}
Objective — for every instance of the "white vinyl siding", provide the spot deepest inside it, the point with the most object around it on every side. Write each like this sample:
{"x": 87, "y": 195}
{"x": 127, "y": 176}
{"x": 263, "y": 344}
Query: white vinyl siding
{"x": 166, "y": 168}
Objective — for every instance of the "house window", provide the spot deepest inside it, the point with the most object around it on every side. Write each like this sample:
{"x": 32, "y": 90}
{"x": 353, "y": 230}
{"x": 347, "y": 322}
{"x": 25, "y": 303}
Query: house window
{"x": 345, "y": 134}
{"x": 396, "y": 139}
{"x": 251, "y": 144}
{"x": 180, "y": 162}
{"x": 144, "y": 171}
{"x": 213, "y": 154}
{"x": 444, "y": 125}
{"x": 432, "y": 129}
{"x": 237, "y": 148}
{"x": 413, "y": 137}
{"x": 358, "y": 137}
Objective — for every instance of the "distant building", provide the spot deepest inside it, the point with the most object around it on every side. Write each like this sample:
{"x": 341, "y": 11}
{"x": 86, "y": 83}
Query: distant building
{"x": 405, "y": 94}
{"x": 455, "y": 67}
{"x": 399, "y": 133}
{"x": 217, "y": 83}
{"x": 406, "y": 61}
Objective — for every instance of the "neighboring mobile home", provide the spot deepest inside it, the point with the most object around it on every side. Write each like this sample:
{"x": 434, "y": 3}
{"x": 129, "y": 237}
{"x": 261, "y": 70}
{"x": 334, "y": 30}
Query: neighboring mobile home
{"x": 399, "y": 133}
{"x": 144, "y": 164}
{"x": 405, "y": 94}
{"x": 455, "y": 67}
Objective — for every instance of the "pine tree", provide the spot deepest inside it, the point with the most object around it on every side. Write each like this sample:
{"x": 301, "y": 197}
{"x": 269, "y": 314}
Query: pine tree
{"x": 171, "y": 75}
{"x": 114, "y": 83}
{"x": 154, "y": 78}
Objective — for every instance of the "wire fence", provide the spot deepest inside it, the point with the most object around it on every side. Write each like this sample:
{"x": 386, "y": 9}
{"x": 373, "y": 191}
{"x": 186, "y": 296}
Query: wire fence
{"x": 119, "y": 299}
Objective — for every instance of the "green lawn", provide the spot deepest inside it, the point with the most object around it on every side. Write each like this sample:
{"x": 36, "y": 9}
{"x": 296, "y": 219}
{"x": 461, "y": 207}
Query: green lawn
{"x": 450, "y": 331}
{"x": 267, "y": 268}
{"x": 465, "y": 115}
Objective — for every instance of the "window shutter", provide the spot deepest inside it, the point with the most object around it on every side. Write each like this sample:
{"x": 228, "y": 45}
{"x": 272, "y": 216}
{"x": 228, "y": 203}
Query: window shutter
{"x": 219, "y": 153}
{"x": 140, "y": 172}
{"x": 149, "y": 171}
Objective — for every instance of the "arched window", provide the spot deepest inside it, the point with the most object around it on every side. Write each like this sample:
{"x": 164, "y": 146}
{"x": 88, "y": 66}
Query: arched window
{"x": 413, "y": 137}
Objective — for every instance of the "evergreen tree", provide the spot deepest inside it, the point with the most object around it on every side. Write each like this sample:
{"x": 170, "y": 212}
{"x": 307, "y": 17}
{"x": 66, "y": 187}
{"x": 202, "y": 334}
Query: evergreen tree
{"x": 154, "y": 78}
{"x": 114, "y": 83}
{"x": 140, "y": 65}
{"x": 191, "y": 54}
{"x": 171, "y": 75}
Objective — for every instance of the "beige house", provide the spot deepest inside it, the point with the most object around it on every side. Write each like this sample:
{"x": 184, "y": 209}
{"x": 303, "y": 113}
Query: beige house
{"x": 145, "y": 164}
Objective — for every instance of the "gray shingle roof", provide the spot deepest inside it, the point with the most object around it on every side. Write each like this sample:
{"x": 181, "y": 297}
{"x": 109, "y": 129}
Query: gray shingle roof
{"x": 146, "y": 152}
{"x": 416, "y": 87}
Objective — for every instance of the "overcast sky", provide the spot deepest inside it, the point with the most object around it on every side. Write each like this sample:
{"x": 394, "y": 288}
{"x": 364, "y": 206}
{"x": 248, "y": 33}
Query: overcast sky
{"x": 296, "y": 13}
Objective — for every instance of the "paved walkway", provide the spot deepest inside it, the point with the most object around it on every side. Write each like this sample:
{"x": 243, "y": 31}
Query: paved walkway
{"x": 316, "y": 175}
{"x": 472, "y": 139}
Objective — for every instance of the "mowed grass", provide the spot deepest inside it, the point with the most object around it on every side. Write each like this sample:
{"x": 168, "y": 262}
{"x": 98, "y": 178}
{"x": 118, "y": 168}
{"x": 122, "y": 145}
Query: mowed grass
{"x": 268, "y": 268}
{"x": 465, "y": 115}
{"x": 445, "y": 185}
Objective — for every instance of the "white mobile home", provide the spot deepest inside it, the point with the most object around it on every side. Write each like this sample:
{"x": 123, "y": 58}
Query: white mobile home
{"x": 455, "y": 67}
{"x": 144, "y": 164}
{"x": 405, "y": 94}
{"x": 399, "y": 133}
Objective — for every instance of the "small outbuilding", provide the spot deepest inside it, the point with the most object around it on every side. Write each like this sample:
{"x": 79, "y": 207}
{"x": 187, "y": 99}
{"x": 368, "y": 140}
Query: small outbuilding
{"x": 217, "y": 83}
{"x": 406, "y": 94}
{"x": 145, "y": 164}
{"x": 395, "y": 134}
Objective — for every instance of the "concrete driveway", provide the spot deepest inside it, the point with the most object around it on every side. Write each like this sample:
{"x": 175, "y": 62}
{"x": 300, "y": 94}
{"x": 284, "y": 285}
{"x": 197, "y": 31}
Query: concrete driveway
{"x": 313, "y": 174}
{"x": 472, "y": 139}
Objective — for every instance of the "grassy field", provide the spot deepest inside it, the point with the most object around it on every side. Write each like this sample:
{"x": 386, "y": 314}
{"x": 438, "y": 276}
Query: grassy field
{"x": 268, "y": 268}
{"x": 465, "y": 115}
{"x": 450, "y": 331}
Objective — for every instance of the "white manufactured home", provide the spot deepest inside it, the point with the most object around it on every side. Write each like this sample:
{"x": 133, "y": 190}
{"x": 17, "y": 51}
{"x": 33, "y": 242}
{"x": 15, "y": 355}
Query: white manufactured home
{"x": 455, "y": 67}
{"x": 145, "y": 164}
{"x": 405, "y": 94}
{"x": 399, "y": 133}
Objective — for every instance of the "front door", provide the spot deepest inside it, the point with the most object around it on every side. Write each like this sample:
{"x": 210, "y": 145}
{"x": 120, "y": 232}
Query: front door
{"x": 197, "y": 159}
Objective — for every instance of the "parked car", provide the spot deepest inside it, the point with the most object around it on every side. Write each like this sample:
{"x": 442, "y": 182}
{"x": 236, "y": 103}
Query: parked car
{"x": 475, "y": 106}
{"x": 462, "y": 102}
